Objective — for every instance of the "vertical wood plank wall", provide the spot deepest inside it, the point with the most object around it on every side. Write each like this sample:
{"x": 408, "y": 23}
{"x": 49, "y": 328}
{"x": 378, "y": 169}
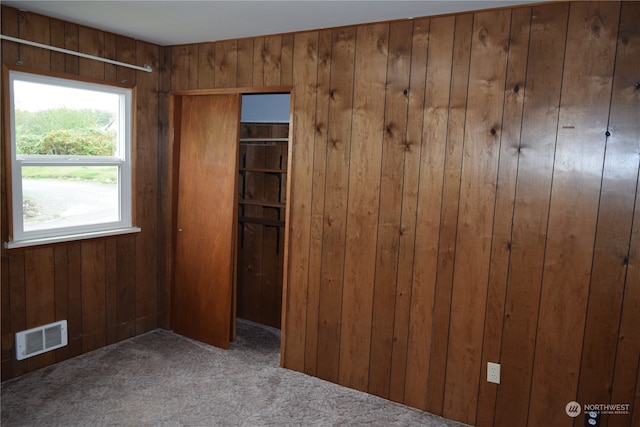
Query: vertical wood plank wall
{"x": 464, "y": 189}
{"x": 107, "y": 289}
{"x": 456, "y": 200}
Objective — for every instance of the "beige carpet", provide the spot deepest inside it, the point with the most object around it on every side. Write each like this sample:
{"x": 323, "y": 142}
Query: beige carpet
{"x": 163, "y": 379}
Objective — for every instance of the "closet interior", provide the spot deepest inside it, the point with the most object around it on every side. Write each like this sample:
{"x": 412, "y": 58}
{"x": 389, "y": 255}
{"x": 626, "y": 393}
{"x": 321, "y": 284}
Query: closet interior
{"x": 262, "y": 184}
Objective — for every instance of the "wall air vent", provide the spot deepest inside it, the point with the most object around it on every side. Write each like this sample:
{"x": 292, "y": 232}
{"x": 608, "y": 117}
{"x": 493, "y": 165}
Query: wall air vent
{"x": 41, "y": 339}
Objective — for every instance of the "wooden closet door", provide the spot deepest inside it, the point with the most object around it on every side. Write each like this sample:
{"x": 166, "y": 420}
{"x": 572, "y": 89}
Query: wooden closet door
{"x": 206, "y": 218}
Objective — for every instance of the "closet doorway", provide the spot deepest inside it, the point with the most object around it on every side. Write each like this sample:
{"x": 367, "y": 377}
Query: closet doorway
{"x": 229, "y": 176}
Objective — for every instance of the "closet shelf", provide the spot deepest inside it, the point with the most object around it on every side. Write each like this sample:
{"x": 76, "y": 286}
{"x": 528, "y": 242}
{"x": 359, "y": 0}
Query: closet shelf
{"x": 262, "y": 203}
{"x": 264, "y": 170}
{"x": 263, "y": 141}
{"x": 261, "y": 221}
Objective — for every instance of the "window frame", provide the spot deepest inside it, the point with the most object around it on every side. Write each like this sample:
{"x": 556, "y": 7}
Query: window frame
{"x": 124, "y": 161}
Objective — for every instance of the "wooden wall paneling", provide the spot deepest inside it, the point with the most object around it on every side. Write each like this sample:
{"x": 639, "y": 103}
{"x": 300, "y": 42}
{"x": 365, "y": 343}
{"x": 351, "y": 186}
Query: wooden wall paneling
{"x": 272, "y": 60}
{"x": 39, "y": 296}
{"x": 207, "y": 65}
{"x": 146, "y": 184}
{"x": 614, "y": 225}
{"x": 61, "y": 290}
{"x": 286, "y": 60}
{"x": 226, "y": 64}
{"x": 622, "y": 147}
{"x": 93, "y": 294}
{"x": 164, "y": 147}
{"x": 410, "y": 183}
{"x": 110, "y": 52}
{"x": 35, "y": 28}
{"x": 245, "y": 64}
{"x": 363, "y": 203}
{"x": 305, "y": 58}
{"x": 18, "y": 300}
{"x": 111, "y": 291}
{"x": 483, "y": 124}
{"x": 57, "y": 39}
{"x": 126, "y": 287}
{"x": 127, "y": 52}
{"x": 75, "y": 302}
{"x": 622, "y": 386}
{"x": 10, "y": 27}
{"x": 91, "y": 42}
{"x": 10, "y": 54}
{"x": 258, "y": 61}
{"x": 7, "y": 354}
{"x": 71, "y": 42}
{"x": 339, "y": 121}
{"x": 449, "y": 216}
{"x": 582, "y": 123}
{"x": 393, "y": 150}
{"x": 434, "y": 137}
{"x": 318, "y": 200}
{"x": 535, "y": 167}
{"x": 180, "y": 67}
{"x": 505, "y": 199}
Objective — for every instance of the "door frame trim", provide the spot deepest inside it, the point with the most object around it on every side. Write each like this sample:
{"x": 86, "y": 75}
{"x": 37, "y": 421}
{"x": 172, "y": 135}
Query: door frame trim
{"x": 175, "y": 110}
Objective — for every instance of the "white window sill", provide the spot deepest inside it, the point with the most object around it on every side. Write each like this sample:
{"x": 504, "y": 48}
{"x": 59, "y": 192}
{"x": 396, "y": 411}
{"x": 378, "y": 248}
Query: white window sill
{"x": 70, "y": 237}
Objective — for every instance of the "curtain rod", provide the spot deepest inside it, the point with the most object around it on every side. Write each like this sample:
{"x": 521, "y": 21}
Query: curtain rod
{"x": 146, "y": 68}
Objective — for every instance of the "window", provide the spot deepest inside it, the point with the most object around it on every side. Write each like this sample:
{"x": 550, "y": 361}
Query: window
{"x": 71, "y": 159}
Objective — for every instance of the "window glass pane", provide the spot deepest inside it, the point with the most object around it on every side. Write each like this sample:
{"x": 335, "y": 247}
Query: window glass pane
{"x": 61, "y": 120}
{"x": 69, "y": 196}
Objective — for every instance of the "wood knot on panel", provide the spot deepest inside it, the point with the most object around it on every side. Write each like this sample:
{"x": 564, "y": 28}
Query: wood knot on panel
{"x": 325, "y": 59}
{"x": 405, "y": 92}
{"x": 332, "y": 94}
{"x": 407, "y": 146}
{"x": 381, "y": 45}
{"x": 333, "y": 143}
{"x": 516, "y": 88}
{"x": 625, "y": 261}
{"x": 311, "y": 50}
{"x": 594, "y": 24}
{"x": 328, "y": 222}
{"x": 493, "y": 131}
{"x": 483, "y": 34}
{"x": 319, "y": 128}
{"x": 389, "y": 129}
{"x": 264, "y": 52}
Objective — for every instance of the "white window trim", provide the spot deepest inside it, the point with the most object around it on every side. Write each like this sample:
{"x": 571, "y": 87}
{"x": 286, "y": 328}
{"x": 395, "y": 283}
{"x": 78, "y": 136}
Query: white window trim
{"x": 124, "y": 161}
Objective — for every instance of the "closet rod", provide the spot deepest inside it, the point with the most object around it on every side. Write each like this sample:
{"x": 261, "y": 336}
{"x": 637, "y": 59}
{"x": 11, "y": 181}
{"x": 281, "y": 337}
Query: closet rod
{"x": 146, "y": 68}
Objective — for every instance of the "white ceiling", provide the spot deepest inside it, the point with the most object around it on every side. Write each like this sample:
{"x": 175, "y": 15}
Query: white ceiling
{"x": 181, "y": 22}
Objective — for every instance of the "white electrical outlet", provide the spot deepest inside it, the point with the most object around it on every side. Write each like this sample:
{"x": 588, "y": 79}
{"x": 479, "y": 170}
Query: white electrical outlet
{"x": 493, "y": 372}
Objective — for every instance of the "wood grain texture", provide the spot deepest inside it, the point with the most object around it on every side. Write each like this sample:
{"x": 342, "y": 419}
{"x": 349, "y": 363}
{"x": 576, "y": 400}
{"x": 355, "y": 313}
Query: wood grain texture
{"x": 391, "y": 174}
{"x": 573, "y": 210}
{"x": 318, "y": 200}
{"x": 429, "y": 208}
{"x": 305, "y": 54}
{"x": 76, "y": 281}
{"x": 410, "y": 186}
{"x": 535, "y": 168}
{"x": 510, "y": 147}
{"x": 372, "y": 44}
{"x": 519, "y": 221}
{"x": 335, "y": 204}
{"x": 449, "y": 216}
{"x": 483, "y": 125}
{"x": 624, "y": 120}
{"x": 206, "y": 235}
